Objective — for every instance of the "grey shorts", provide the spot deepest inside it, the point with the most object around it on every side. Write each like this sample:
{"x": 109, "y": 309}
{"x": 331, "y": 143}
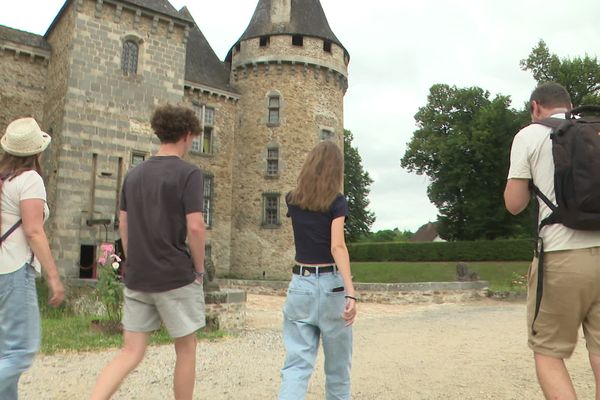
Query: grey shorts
{"x": 181, "y": 310}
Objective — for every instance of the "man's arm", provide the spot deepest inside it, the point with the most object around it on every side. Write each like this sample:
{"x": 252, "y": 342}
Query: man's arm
{"x": 123, "y": 230}
{"x": 516, "y": 195}
{"x": 195, "y": 236}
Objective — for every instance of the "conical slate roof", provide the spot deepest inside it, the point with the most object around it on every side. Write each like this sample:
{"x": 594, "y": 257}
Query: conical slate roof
{"x": 307, "y": 18}
{"x": 202, "y": 64}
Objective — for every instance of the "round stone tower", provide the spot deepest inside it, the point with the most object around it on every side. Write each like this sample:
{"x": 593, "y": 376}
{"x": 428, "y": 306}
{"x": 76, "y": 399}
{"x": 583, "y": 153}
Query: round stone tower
{"x": 291, "y": 71}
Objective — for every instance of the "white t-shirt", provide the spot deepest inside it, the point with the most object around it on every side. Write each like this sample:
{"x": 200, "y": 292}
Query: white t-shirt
{"x": 15, "y": 251}
{"x": 531, "y": 157}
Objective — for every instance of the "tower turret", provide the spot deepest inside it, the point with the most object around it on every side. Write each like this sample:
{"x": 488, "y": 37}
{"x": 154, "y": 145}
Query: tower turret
{"x": 291, "y": 72}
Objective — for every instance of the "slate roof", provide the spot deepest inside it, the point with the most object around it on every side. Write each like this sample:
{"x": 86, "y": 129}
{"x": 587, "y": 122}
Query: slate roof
{"x": 307, "y": 18}
{"x": 426, "y": 233}
{"x": 24, "y": 38}
{"x": 202, "y": 65}
{"x": 160, "y": 6}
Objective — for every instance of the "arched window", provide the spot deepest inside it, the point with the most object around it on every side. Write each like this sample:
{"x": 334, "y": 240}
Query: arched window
{"x": 129, "y": 61}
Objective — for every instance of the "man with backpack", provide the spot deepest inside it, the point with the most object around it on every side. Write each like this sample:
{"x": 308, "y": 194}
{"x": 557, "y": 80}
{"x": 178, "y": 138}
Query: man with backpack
{"x": 557, "y": 157}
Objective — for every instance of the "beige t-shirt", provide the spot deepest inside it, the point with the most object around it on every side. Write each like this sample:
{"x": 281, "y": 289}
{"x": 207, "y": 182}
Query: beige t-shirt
{"x": 15, "y": 251}
{"x": 531, "y": 157}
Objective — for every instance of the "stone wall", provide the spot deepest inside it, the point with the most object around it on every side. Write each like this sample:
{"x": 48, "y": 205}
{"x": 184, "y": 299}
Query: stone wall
{"x": 219, "y": 164}
{"x": 106, "y": 115}
{"x": 22, "y": 83}
{"x": 280, "y": 48}
{"x": 385, "y": 293}
{"x": 311, "y": 100}
{"x": 59, "y": 38}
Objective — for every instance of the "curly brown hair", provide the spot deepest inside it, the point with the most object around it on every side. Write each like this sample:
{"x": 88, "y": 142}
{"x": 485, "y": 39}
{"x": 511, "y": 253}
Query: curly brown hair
{"x": 170, "y": 123}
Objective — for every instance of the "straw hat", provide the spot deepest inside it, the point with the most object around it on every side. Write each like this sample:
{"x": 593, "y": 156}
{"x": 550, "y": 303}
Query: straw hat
{"x": 24, "y": 138}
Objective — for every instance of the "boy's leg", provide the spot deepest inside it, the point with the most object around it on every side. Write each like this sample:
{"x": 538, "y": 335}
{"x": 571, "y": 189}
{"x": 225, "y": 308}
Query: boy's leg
{"x": 182, "y": 313}
{"x": 134, "y": 348}
{"x": 595, "y": 362}
{"x": 185, "y": 367}
{"x": 554, "y": 378}
{"x": 140, "y": 317}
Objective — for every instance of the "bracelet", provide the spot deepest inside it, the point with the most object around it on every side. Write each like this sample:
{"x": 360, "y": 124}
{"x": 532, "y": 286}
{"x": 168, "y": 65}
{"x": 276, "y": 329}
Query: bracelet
{"x": 351, "y": 297}
{"x": 199, "y": 274}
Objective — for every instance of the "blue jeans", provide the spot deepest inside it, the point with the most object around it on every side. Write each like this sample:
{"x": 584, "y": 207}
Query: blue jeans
{"x": 312, "y": 311}
{"x": 19, "y": 328}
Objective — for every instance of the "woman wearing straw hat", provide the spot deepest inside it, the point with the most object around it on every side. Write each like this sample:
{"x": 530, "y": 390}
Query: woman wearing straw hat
{"x": 321, "y": 302}
{"x": 23, "y": 247}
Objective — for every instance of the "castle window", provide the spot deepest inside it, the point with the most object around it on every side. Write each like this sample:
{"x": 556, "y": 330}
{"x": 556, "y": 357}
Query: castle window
{"x": 326, "y": 134}
{"x": 298, "y": 40}
{"x": 271, "y": 210}
{"x": 207, "y": 251}
{"x": 208, "y": 199}
{"x": 274, "y": 105}
{"x": 137, "y": 157}
{"x": 272, "y": 161}
{"x": 264, "y": 41}
{"x": 129, "y": 59}
{"x": 203, "y": 143}
{"x": 238, "y": 47}
{"x": 327, "y": 46}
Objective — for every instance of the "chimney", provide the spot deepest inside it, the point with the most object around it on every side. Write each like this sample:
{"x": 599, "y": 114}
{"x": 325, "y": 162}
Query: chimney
{"x": 281, "y": 11}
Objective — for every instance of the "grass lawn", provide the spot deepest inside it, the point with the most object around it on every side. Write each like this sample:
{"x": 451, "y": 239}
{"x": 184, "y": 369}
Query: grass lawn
{"x": 500, "y": 275}
{"x": 73, "y": 333}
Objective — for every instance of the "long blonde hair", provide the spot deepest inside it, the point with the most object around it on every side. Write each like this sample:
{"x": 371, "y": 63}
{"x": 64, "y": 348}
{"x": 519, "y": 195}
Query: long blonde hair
{"x": 320, "y": 179}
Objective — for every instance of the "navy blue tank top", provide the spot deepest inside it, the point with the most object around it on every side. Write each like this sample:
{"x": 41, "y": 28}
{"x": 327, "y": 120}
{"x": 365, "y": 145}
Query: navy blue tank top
{"x": 312, "y": 231}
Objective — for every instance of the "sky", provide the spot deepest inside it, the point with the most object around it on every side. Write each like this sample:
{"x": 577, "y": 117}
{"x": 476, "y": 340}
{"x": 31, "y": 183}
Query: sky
{"x": 398, "y": 50}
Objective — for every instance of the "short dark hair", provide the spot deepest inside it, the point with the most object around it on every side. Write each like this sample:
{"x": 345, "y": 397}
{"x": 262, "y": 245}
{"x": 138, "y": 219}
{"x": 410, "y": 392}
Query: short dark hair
{"x": 551, "y": 95}
{"x": 170, "y": 123}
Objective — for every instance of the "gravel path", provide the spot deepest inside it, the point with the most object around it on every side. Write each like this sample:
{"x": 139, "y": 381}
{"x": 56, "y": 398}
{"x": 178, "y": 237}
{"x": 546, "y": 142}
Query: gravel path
{"x": 448, "y": 351}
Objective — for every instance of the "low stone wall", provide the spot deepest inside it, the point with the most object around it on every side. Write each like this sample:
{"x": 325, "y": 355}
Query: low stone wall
{"x": 225, "y": 309}
{"x": 386, "y": 293}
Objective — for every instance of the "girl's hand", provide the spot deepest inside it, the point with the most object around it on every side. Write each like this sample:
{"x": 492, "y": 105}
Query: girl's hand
{"x": 349, "y": 311}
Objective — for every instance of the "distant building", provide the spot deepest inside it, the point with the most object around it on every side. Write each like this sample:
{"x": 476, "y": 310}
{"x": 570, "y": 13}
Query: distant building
{"x": 427, "y": 233}
{"x": 94, "y": 78}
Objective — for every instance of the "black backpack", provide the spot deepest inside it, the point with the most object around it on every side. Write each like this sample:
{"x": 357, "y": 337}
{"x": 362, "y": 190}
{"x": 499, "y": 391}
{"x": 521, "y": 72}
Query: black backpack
{"x": 576, "y": 154}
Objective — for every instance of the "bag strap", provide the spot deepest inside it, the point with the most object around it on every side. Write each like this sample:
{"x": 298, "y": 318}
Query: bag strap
{"x": 11, "y": 230}
{"x": 582, "y": 109}
{"x": 553, "y": 123}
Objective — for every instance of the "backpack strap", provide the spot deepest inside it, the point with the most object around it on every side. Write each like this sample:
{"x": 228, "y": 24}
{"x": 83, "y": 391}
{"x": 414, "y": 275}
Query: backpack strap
{"x": 11, "y": 230}
{"x": 553, "y": 123}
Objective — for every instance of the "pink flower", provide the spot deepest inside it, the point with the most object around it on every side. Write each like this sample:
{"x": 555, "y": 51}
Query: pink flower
{"x": 107, "y": 248}
{"x": 102, "y": 260}
{"x": 115, "y": 257}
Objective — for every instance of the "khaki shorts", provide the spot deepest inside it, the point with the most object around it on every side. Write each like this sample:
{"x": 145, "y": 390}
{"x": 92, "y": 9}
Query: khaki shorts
{"x": 571, "y": 298}
{"x": 181, "y": 310}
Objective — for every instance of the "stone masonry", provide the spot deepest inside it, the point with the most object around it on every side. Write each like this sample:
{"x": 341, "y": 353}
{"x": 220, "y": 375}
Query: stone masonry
{"x": 73, "y": 82}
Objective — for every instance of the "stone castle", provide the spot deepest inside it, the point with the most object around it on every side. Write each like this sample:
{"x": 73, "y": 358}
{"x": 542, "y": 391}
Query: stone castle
{"x": 93, "y": 80}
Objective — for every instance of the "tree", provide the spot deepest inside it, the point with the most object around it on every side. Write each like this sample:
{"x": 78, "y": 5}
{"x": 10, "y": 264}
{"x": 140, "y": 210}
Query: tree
{"x": 580, "y": 76}
{"x": 356, "y": 186}
{"x": 462, "y": 144}
{"x": 388, "y": 235}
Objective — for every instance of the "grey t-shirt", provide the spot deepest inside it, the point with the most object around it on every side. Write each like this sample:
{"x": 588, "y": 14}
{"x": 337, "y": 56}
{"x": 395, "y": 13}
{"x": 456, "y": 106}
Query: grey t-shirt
{"x": 157, "y": 196}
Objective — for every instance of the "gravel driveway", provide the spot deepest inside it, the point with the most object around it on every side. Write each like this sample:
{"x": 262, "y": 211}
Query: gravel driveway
{"x": 447, "y": 351}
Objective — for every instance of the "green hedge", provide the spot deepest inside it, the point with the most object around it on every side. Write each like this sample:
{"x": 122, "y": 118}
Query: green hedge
{"x": 484, "y": 250}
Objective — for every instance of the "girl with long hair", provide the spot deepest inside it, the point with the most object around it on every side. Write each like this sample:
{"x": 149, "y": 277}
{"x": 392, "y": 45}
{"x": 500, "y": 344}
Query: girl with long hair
{"x": 321, "y": 302}
{"x": 23, "y": 247}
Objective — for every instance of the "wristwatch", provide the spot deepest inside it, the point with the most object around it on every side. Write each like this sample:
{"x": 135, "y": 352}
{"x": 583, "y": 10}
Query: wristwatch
{"x": 199, "y": 274}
